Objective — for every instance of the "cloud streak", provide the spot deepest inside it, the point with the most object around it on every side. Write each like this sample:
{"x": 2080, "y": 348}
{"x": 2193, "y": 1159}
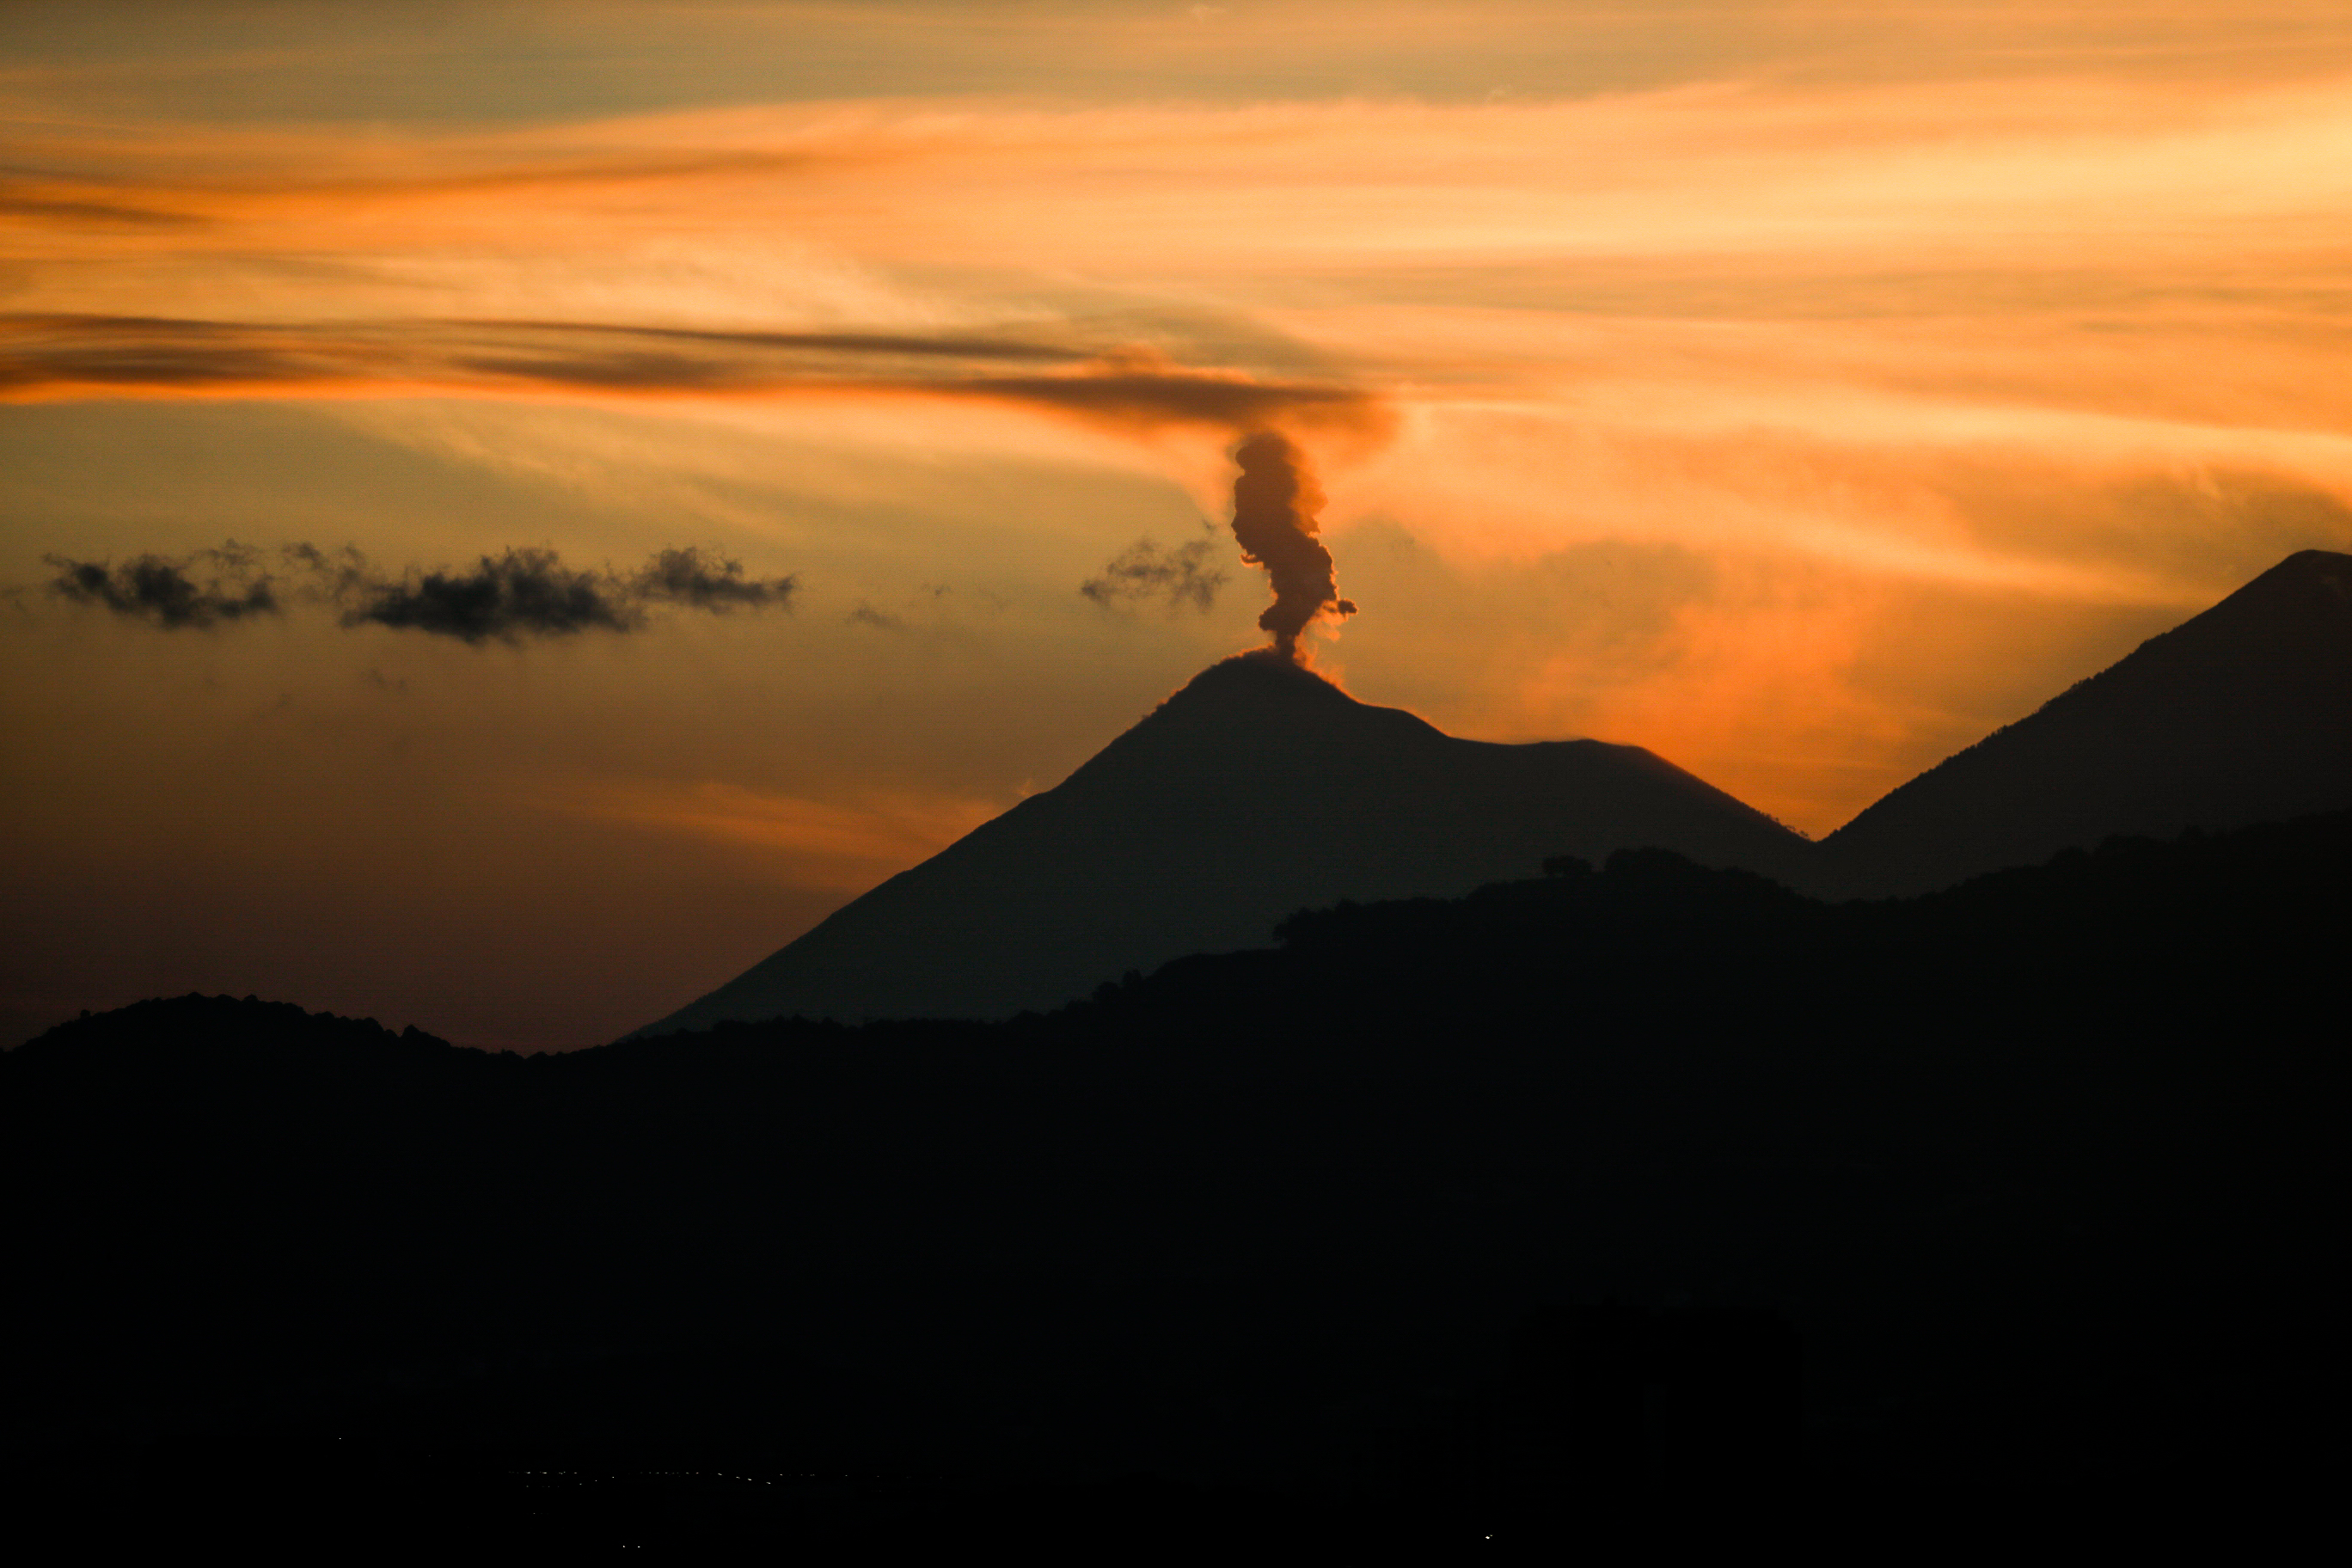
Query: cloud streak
{"x": 36, "y": 204}
{"x": 1145, "y": 573}
{"x": 516, "y": 595}
{"x": 705, "y": 580}
{"x": 51, "y": 356}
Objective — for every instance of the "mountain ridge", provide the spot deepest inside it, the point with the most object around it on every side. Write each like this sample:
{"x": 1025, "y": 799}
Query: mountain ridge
{"x": 1254, "y": 790}
{"x": 1259, "y": 789}
{"x": 2239, "y": 714}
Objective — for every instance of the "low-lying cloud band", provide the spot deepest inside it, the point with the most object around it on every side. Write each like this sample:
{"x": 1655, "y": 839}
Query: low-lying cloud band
{"x": 506, "y": 597}
{"x": 200, "y": 590}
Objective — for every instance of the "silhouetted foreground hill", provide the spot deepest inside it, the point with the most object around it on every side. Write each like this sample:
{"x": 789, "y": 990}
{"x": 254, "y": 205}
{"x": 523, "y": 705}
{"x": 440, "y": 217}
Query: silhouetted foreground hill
{"x": 2241, "y": 714}
{"x": 1256, "y": 790}
{"x": 2035, "y": 1187}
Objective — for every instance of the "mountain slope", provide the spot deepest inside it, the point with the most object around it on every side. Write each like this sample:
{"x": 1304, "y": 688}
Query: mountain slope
{"x": 1257, "y": 790}
{"x": 2240, "y": 715}
{"x": 1996, "y": 1153}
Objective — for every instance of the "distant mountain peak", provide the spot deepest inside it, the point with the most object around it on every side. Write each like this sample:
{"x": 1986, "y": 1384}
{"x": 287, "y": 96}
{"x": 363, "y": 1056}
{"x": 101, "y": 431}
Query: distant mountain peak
{"x": 2329, "y": 571}
{"x": 2239, "y": 715}
{"x": 1261, "y": 678}
{"x": 1264, "y": 664}
{"x": 2306, "y": 595}
{"x": 1261, "y": 675}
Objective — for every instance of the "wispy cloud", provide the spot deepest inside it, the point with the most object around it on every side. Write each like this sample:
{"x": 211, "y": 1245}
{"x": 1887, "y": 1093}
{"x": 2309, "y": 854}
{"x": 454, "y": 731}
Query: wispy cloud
{"x": 1144, "y": 573}
{"x": 69, "y": 205}
{"x": 706, "y": 580}
{"x": 200, "y": 590}
{"x": 64, "y": 356}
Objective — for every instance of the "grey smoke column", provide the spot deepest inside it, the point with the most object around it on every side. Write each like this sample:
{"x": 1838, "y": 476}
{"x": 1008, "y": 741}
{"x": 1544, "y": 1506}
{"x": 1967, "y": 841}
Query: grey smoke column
{"x": 1275, "y": 503}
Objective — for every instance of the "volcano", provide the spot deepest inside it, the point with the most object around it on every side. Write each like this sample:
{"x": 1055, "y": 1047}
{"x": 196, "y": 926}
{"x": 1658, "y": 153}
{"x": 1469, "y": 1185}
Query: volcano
{"x": 2240, "y": 715}
{"x": 1257, "y": 790}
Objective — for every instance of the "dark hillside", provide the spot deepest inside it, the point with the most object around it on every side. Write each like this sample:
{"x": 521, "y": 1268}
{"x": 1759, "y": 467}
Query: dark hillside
{"x": 2042, "y": 1174}
{"x": 2241, "y": 714}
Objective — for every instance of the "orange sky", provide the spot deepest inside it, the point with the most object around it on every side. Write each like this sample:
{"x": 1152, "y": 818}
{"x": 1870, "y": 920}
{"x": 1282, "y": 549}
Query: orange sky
{"x": 1797, "y": 392}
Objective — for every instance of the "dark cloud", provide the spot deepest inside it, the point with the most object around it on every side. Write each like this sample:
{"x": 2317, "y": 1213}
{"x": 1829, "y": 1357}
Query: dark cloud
{"x": 1275, "y": 503}
{"x": 64, "y": 350}
{"x": 1144, "y": 572}
{"x": 61, "y": 352}
{"x": 507, "y": 597}
{"x": 644, "y": 369}
{"x": 707, "y": 581}
{"x": 199, "y": 590}
{"x": 523, "y": 593}
{"x": 880, "y": 620}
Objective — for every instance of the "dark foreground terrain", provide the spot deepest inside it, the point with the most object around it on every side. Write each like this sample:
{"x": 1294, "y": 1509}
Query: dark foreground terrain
{"x": 1626, "y": 1208}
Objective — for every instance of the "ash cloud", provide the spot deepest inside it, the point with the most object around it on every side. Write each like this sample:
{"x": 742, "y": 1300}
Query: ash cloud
{"x": 1126, "y": 387}
{"x": 943, "y": 346}
{"x": 199, "y": 590}
{"x": 1143, "y": 573}
{"x": 52, "y": 351}
{"x": 1136, "y": 398}
{"x": 1275, "y": 503}
{"x": 517, "y": 595}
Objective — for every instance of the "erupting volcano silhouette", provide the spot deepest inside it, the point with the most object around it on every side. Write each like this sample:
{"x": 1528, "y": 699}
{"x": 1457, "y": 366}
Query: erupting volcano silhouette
{"x": 1257, "y": 790}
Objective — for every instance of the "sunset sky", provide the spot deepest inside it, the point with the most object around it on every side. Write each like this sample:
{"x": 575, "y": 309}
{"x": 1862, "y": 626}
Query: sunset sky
{"x": 1799, "y": 391}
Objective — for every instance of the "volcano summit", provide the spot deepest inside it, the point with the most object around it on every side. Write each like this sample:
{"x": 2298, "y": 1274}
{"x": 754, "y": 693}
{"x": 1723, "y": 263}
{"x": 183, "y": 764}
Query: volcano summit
{"x": 1257, "y": 790}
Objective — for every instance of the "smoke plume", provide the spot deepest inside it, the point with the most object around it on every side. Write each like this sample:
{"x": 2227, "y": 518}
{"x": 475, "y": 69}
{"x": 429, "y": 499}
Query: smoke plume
{"x": 1275, "y": 503}
{"x": 1126, "y": 387}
